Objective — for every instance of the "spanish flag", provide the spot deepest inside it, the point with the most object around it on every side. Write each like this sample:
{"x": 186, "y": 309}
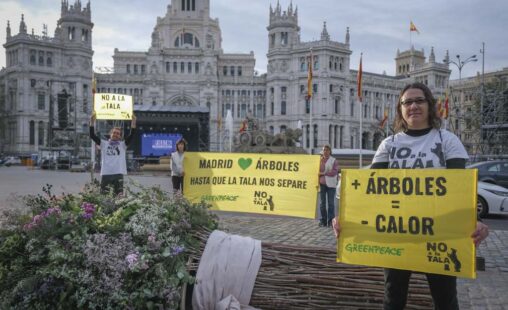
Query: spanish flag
{"x": 412, "y": 27}
{"x": 359, "y": 80}
{"x": 446, "y": 110}
{"x": 385, "y": 119}
{"x": 219, "y": 122}
{"x": 439, "y": 109}
{"x": 309, "y": 77}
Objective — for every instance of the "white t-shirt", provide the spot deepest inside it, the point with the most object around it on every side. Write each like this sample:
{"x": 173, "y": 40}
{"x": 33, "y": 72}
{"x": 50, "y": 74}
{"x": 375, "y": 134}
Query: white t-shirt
{"x": 177, "y": 163}
{"x": 113, "y": 160}
{"x": 402, "y": 151}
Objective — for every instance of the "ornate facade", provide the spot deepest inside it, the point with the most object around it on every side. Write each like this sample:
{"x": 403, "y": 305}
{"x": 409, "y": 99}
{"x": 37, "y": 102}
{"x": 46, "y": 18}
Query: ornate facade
{"x": 46, "y": 84}
{"x": 186, "y": 70}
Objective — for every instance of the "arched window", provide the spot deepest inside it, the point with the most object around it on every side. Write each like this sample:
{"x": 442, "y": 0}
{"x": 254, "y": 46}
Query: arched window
{"x": 316, "y": 63}
{"x": 33, "y": 56}
{"x": 41, "y": 58}
{"x": 49, "y": 59}
{"x": 71, "y": 33}
{"x": 84, "y": 35}
{"x": 283, "y": 108}
{"x": 32, "y": 133}
{"x": 188, "y": 38}
{"x": 41, "y": 133}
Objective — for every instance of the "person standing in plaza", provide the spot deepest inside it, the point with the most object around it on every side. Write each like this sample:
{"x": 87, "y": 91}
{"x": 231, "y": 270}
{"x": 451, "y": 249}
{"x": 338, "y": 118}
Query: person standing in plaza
{"x": 113, "y": 156}
{"x": 328, "y": 173}
{"x": 417, "y": 128}
{"x": 177, "y": 171}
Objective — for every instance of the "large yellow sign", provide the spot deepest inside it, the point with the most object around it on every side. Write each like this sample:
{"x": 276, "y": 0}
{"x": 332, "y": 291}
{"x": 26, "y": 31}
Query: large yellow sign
{"x": 254, "y": 183}
{"x": 410, "y": 219}
{"x": 113, "y": 106}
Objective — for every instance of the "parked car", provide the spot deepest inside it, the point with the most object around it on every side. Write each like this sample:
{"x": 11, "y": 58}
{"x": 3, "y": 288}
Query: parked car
{"x": 492, "y": 199}
{"x": 495, "y": 172}
{"x": 47, "y": 163}
{"x": 12, "y": 161}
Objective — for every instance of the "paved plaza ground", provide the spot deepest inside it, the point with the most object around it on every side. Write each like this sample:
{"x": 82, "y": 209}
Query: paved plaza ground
{"x": 488, "y": 291}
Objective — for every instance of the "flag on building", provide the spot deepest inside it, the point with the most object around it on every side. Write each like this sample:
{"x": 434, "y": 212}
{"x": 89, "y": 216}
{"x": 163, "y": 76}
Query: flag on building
{"x": 412, "y": 27}
{"x": 309, "y": 77}
{"x": 446, "y": 110}
{"x": 385, "y": 119}
{"x": 439, "y": 108}
{"x": 359, "y": 80}
{"x": 219, "y": 122}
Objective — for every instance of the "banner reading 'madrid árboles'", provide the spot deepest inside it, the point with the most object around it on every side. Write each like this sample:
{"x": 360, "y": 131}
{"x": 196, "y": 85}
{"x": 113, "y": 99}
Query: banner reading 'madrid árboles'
{"x": 256, "y": 183}
{"x": 412, "y": 219}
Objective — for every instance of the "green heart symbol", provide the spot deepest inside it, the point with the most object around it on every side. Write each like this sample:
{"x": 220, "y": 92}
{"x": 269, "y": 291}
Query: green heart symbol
{"x": 244, "y": 163}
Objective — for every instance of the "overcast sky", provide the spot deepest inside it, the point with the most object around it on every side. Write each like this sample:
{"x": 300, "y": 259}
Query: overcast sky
{"x": 378, "y": 28}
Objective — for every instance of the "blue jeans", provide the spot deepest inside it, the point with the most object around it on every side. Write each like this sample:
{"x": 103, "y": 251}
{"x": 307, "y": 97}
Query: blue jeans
{"x": 327, "y": 193}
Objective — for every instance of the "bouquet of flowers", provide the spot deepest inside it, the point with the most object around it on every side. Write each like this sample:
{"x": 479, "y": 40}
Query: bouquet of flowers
{"x": 96, "y": 251}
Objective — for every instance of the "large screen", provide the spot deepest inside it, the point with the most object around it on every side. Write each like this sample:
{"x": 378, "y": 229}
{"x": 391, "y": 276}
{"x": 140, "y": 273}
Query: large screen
{"x": 158, "y": 144}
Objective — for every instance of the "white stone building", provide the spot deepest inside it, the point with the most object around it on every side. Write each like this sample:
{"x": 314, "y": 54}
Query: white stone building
{"x": 185, "y": 82}
{"x": 45, "y": 88}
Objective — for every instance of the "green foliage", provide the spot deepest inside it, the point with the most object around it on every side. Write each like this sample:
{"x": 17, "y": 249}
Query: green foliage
{"x": 95, "y": 251}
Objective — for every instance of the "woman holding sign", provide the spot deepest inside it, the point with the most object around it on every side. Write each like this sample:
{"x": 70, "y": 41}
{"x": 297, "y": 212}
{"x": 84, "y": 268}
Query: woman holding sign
{"x": 420, "y": 143}
{"x": 113, "y": 156}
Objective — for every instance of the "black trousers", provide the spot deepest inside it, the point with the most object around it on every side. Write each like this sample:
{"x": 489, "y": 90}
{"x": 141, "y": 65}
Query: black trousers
{"x": 112, "y": 181}
{"x": 443, "y": 289}
{"x": 177, "y": 183}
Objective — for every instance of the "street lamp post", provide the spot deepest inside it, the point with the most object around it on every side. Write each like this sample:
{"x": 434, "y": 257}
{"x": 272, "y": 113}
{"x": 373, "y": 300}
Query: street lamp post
{"x": 459, "y": 63}
{"x": 482, "y": 96}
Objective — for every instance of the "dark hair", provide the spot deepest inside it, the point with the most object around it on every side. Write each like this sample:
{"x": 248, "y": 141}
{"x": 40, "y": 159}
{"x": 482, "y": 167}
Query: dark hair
{"x": 181, "y": 141}
{"x": 400, "y": 124}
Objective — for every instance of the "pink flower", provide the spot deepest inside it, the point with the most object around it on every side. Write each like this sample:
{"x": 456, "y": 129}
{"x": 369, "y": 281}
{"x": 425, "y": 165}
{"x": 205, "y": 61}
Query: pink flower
{"x": 132, "y": 259}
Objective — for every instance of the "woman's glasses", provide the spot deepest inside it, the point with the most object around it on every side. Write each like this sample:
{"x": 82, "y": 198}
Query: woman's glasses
{"x": 409, "y": 102}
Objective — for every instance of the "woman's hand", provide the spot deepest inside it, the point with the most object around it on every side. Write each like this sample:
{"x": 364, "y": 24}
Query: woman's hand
{"x": 336, "y": 227}
{"x": 133, "y": 121}
{"x": 481, "y": 232}
{"x": 93, "y": 117}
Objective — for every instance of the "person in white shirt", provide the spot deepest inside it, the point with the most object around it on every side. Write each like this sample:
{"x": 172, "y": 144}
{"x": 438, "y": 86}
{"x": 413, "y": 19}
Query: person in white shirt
{"x": 113, "y": 156}
{"x": 418, "y": 131}
{"x": 177, "y": 171}
{"x": 328, "y": 171}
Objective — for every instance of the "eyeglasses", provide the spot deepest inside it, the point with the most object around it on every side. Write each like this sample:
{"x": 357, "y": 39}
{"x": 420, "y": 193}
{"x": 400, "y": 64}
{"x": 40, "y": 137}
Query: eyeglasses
{"x": 409, "y": 102}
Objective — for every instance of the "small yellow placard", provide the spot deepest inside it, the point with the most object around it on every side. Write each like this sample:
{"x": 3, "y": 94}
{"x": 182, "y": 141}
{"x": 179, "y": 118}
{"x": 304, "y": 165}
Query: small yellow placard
{"x": 410, "y": 219}
{"x": 254, "y": 183}
{"x": 113, "y": 106}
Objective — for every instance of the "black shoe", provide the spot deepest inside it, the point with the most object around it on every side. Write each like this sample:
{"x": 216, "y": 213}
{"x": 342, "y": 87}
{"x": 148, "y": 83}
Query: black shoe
{"x": 329, "y": 224}
{"x": 321, "y": 224}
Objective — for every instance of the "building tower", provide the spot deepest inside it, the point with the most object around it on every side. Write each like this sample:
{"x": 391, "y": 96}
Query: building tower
{"x": 407, "y": 61}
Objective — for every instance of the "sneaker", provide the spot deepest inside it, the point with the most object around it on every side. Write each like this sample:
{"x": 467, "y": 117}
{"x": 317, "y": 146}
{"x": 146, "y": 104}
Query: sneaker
{"x": 321, "y": 224}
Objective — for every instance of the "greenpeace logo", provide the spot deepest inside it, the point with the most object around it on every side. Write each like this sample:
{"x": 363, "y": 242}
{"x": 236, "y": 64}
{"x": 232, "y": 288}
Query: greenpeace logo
{"x": 366, "y": 248}
{"x": 219, "y": 197}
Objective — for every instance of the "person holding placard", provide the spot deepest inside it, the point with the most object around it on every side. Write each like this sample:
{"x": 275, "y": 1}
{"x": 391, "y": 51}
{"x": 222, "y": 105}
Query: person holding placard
{"x": 328, "y": 172}
{"x": 420, "y": 143}
{"x": 113, "y": 156}
{"x": 177, "y": 171}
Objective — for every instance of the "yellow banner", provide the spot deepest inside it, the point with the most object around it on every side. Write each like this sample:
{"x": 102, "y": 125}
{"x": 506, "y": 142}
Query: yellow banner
{"x": 255, "y": 183}
{"x": 410, "y": 219}
{"x": 113, "y": 106}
